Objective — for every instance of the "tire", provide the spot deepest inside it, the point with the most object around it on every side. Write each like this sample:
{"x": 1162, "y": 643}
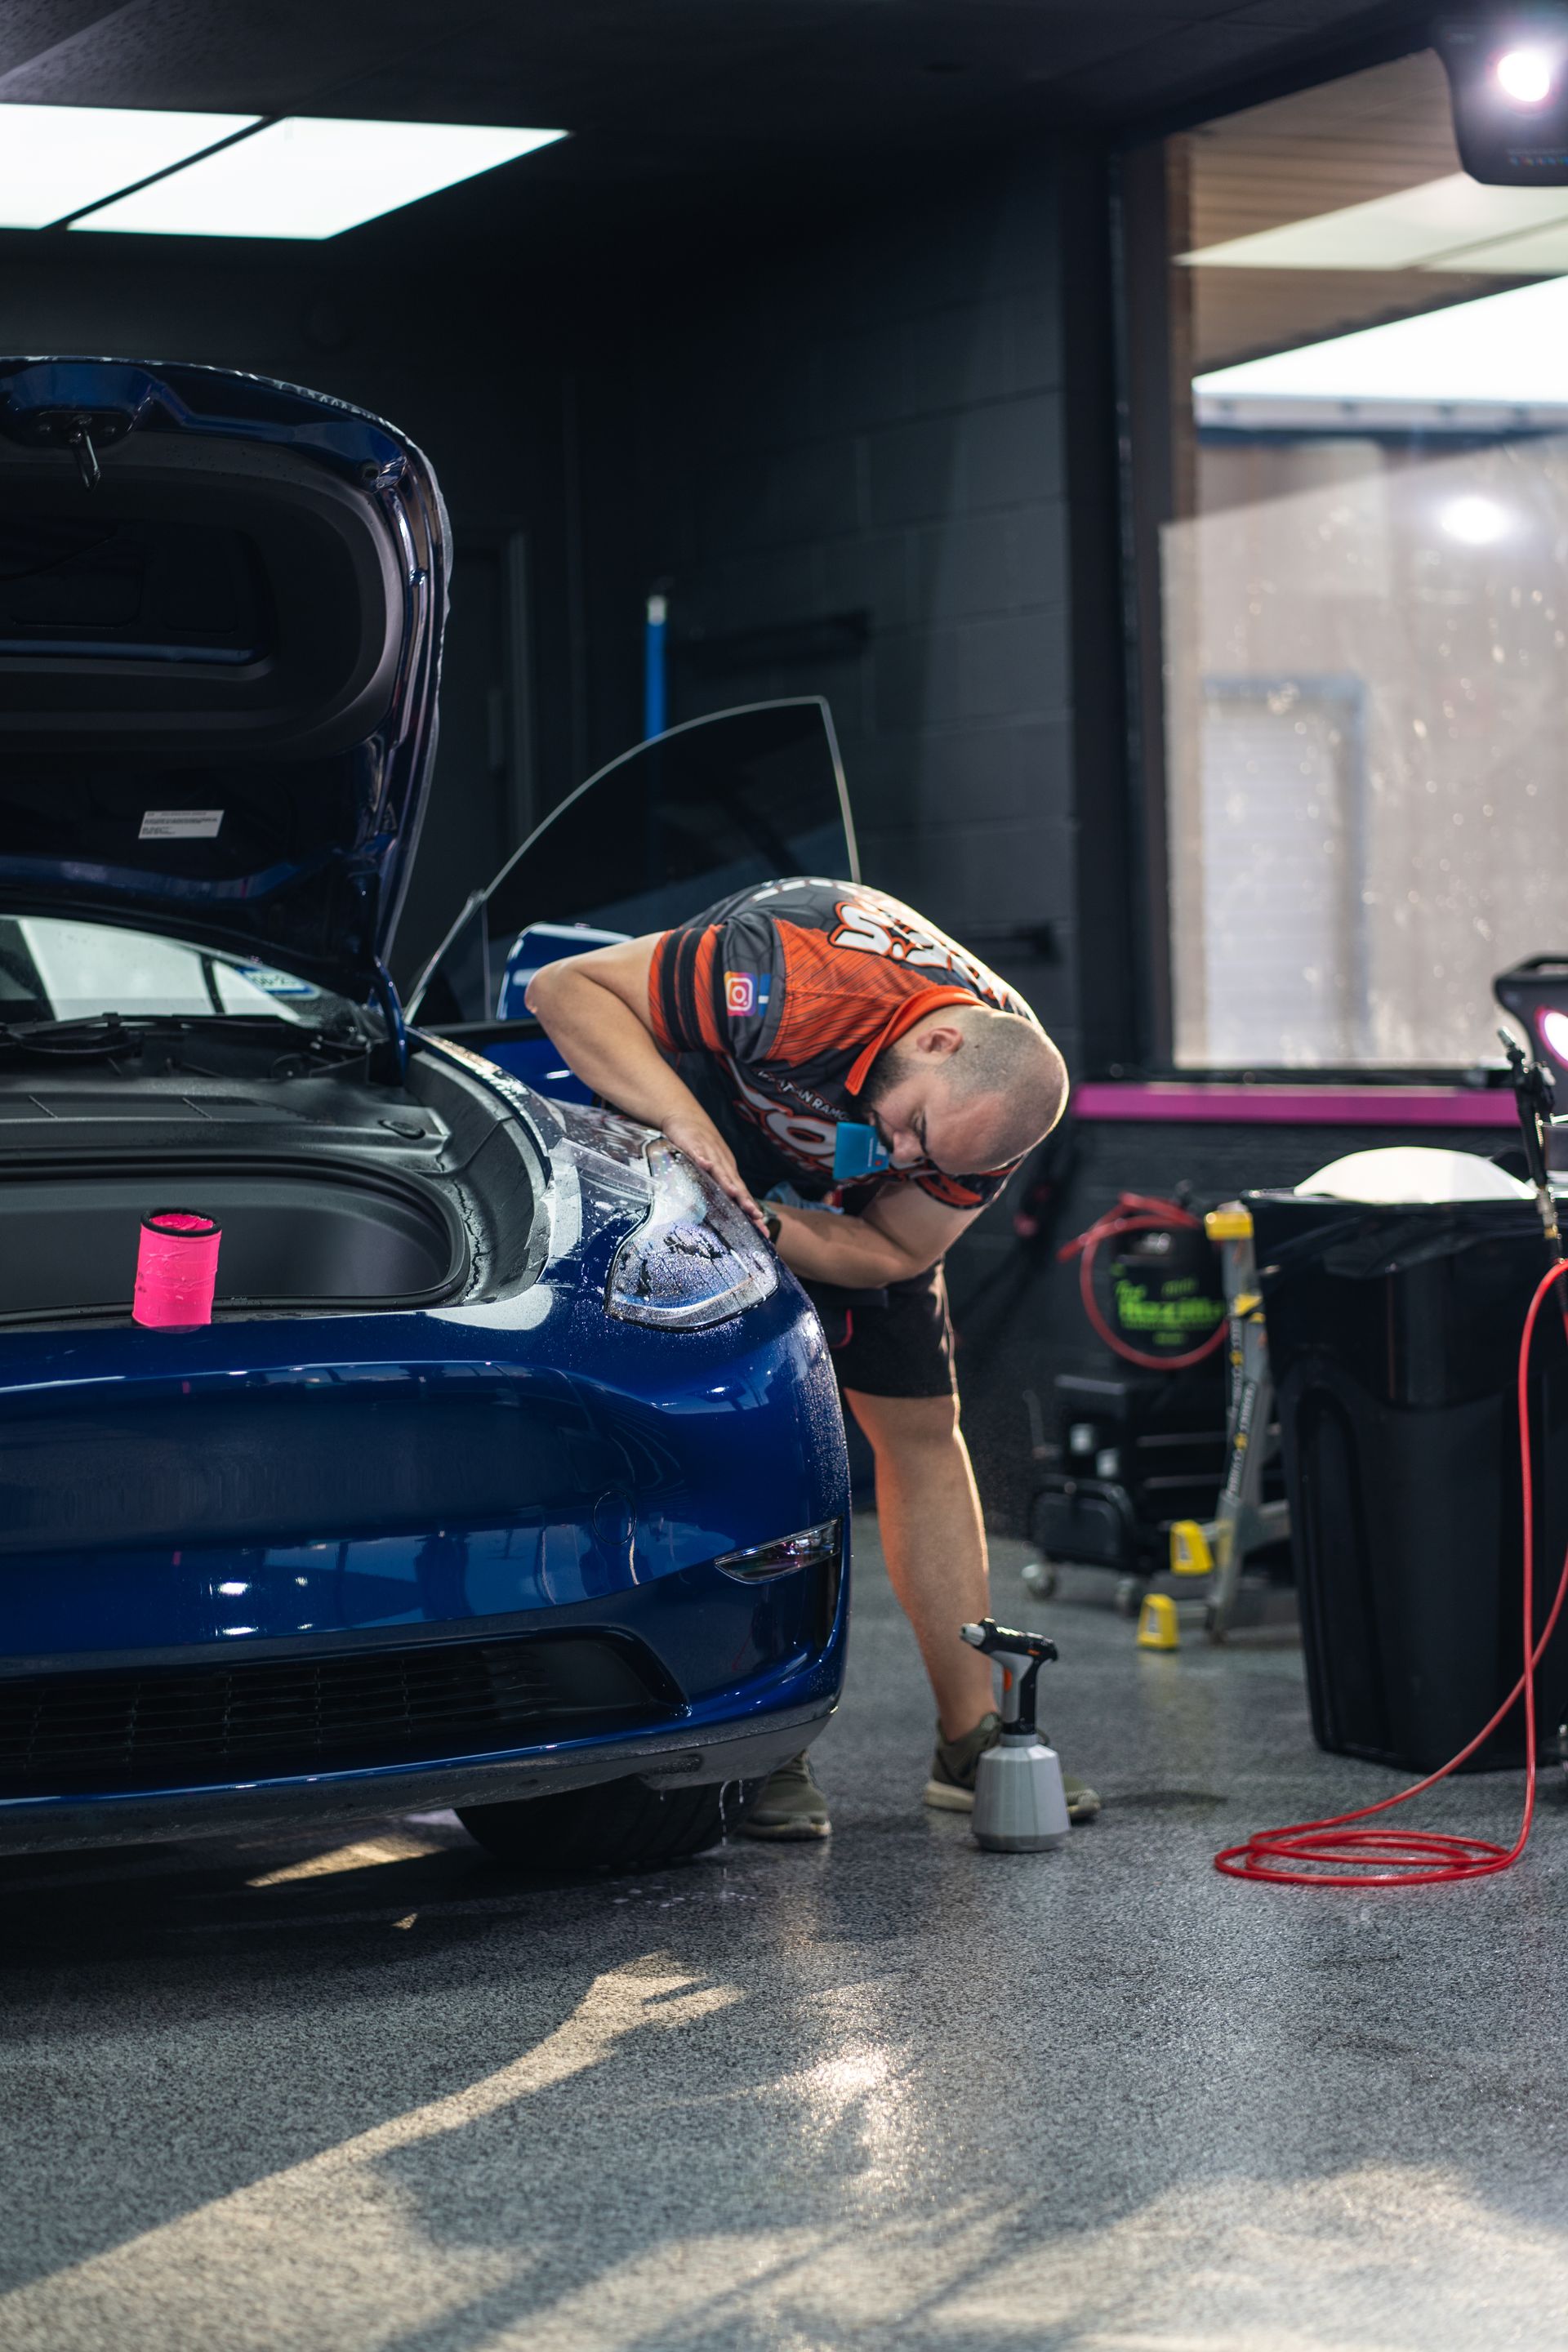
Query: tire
{"x": 616, "y": 1825}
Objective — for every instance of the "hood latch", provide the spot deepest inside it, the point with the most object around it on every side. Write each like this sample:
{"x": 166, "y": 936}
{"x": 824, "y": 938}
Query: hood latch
{"x": 83, "y": 431}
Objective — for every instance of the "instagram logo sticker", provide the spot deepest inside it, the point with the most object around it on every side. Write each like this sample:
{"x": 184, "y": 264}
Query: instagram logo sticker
{"x": 739, "y": 994}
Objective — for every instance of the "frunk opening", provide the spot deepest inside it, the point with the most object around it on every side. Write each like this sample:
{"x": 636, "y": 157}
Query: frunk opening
{"x": 293, "y": 1238}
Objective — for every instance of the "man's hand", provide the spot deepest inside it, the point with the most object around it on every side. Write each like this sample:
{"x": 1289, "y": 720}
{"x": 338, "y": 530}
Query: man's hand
{"x": 694, "y": 1134}
{"x": 594, "y": 1007}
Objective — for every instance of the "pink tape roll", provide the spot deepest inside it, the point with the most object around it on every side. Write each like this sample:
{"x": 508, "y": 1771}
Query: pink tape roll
{"x": 176, "y": 1269}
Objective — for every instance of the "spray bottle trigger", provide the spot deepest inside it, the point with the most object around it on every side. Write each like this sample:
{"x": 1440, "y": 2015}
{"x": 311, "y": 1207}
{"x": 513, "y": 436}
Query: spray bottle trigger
{"x": 999, "y": 1640}
{"x": 1020, "y": 1657}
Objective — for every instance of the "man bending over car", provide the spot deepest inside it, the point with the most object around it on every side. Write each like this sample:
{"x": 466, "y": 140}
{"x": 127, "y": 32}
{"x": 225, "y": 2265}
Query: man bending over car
{"x": 821, "y": 1049}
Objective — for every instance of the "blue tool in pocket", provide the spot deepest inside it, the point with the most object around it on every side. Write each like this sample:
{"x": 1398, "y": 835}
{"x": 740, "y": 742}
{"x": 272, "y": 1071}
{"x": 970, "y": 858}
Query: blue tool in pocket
{"x": 857, "y": 1152}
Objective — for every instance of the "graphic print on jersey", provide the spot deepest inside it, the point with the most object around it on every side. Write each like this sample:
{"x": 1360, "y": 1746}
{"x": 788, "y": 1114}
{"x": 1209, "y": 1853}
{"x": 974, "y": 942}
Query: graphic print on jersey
{"x": 838, "y": 973}
{"x": 878, "y": 926}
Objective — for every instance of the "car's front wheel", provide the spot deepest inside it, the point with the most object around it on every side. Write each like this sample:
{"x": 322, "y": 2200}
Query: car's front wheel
{"x": 615, "y": 1826}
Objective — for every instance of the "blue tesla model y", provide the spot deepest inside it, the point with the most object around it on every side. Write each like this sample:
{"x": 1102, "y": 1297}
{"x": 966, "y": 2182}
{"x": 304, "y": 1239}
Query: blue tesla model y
{"x": 509, "y": 1472}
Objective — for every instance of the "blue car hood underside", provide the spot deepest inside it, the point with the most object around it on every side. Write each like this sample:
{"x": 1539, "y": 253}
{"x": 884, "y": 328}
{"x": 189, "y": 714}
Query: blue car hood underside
{"x": 221, "y": 608}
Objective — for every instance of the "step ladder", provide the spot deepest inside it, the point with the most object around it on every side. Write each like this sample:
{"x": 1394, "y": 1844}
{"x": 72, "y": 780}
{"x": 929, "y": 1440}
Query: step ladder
{"x": 1217, "y": 1549}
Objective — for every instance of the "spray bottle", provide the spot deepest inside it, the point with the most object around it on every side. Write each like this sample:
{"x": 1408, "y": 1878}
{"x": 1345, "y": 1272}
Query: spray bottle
{"x": 1019, "y": 1804}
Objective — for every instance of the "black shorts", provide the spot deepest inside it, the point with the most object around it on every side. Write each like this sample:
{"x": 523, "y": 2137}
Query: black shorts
{"x": 896, "y": 1342}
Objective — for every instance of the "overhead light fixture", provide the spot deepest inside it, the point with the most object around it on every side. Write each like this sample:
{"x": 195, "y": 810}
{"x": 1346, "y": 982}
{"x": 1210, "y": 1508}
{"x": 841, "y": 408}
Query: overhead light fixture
{"x": 55, "y": 159}
{"x": 310, "y": 176}
{"x": 1525, "y": 75}
{"x": 1508, "y": 83}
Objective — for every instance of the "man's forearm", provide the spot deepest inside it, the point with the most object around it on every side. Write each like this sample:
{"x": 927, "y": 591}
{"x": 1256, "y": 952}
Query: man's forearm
{"x": 607, "y": 1045}
{"x": 847, "y": 1251}
{"x": 588, "y": 1005}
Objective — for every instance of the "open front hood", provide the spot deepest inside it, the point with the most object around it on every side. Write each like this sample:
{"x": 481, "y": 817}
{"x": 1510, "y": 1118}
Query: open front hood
{"x": 221, "y": 605}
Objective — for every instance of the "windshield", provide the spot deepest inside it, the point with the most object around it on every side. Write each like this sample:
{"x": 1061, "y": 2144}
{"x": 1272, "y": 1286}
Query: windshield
{"x": 52, "y": 970}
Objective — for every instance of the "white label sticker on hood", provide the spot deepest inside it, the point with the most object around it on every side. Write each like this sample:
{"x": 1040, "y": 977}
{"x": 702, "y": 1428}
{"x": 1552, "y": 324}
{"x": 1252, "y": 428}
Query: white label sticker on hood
{"x": 180, "y": 825}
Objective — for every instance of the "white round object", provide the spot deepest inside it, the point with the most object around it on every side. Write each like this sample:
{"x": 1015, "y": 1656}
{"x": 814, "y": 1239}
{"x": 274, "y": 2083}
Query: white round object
{"x": 1415, "y": 1174}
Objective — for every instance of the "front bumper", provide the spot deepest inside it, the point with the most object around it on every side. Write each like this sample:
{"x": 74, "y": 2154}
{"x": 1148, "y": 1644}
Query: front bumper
{"x": 677, "y": 1757}
{"x": 296, "y": 1490}
{"x": 695, "y": 1678}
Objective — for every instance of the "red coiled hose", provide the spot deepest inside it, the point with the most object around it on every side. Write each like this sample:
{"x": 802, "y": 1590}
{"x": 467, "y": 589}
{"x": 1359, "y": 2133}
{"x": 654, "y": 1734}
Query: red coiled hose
{"x": 1421, "y": 1857}
{"x": 1134, "y": 1213}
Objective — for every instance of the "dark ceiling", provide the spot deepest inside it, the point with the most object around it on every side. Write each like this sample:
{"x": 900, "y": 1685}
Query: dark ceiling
{"x": 689, "y": 118}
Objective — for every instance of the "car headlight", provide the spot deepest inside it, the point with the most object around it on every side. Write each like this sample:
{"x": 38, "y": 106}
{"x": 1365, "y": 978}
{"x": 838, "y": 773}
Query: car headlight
{"x": 694, "y": 1259}
{"x": 760, "y": 1563}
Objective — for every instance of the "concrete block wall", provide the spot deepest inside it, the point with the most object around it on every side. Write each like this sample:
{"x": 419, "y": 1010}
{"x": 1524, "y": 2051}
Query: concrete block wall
{"x": 873, "y": 423}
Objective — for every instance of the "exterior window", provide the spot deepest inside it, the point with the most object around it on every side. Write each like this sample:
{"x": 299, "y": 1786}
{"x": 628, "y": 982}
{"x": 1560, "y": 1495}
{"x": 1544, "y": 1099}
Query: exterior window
{"x": 1351, "y": 507}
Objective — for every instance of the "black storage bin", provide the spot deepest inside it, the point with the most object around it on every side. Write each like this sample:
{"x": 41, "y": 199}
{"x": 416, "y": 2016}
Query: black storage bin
{"x": 1138, "y": 1450}
{"x": 1088, "y": 1521}
{"x": 1394, "y": 1336}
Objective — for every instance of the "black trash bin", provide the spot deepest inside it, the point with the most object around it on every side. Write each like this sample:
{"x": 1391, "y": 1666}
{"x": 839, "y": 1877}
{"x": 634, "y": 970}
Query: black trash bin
{"x": 1394, "y": 1336}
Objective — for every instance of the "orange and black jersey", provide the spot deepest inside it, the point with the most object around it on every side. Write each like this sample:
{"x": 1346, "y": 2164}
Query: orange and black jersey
{"x": 775, "y": 1004}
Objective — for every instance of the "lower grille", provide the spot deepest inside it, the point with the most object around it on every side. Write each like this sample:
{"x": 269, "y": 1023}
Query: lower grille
{"x": 110, "y": 1731}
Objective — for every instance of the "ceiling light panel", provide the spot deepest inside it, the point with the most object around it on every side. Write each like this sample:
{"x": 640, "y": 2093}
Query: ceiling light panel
{"x": 55, "y": 159}
{"x": 1504, "y": 350}
{"x": 1442, "y": 224}
{"x": 309, "y": 176}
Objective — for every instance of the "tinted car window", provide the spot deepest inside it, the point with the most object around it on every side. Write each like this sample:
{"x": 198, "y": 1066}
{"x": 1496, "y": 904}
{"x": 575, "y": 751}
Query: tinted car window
{"x": 680, "y": 821}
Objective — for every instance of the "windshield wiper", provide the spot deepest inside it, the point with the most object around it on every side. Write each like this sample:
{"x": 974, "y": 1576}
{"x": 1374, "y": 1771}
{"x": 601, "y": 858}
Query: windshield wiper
{"x": 90, "y": 1038}
{"x": 107, "y": 1036}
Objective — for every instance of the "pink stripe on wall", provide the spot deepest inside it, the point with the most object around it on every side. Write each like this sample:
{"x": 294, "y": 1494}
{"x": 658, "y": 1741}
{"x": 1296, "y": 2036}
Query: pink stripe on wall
{"x": 1220, "y": 1105}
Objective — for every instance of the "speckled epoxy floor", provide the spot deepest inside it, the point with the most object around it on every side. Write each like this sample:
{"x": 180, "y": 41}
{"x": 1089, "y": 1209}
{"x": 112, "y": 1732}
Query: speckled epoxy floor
{"x": 886, "y": 2093}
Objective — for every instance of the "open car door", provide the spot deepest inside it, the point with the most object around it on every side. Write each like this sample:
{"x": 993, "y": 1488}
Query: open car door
{"x": 744, "y": 796}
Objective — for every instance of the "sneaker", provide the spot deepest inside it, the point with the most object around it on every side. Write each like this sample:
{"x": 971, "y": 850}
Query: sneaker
{"x": 791, "y": 1805}
{"x": 951, "y": 1788}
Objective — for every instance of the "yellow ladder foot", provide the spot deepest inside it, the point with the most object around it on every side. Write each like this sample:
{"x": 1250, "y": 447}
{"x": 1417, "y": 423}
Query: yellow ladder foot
{"x": 1157, "y": 1627}
{"x": 1190, "y": 1553}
